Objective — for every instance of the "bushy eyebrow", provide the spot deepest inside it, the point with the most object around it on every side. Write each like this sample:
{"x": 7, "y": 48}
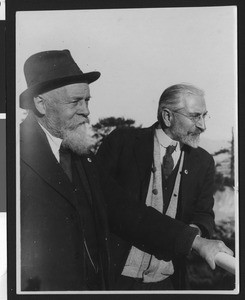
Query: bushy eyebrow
{"x": 198, "y": 114}
{"x": 81, "y": 98}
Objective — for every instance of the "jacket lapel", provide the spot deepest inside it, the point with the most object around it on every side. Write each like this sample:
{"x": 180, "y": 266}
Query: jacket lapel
{"x": 36, "y": 152}
{"x": 91, "y": 184}
{"x": 188, "y": 171}
{"x": 143, "y": 151}
{"x": 93, "y": 189}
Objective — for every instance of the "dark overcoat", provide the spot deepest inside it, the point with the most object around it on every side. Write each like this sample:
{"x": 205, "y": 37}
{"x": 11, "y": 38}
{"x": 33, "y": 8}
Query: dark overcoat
{"x": 51, "y": 221}
{"x": 127, "y": 156}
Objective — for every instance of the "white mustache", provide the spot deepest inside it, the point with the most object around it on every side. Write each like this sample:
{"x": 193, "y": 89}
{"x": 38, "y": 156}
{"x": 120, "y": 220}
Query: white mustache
{"x": 84, "y": 121}
{"x": 74, "y": 125}
{"x": 197, "y": 132}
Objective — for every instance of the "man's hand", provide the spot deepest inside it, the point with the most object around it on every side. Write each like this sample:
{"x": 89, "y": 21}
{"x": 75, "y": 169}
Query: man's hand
{"x": 208, "y": 249}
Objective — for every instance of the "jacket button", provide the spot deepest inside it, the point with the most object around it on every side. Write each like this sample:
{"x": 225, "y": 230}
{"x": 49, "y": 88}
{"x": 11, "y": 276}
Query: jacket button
{"x": 155, "y": 191}
{"x": 153, "y": 169}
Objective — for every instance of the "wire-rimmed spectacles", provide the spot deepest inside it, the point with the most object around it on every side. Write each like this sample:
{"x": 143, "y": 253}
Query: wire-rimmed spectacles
{"x": 195, "y": 118}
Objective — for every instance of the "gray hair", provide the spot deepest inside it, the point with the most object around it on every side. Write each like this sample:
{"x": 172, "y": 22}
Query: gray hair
{"x": 49, "y": 100}
{"x": 172, "y": 97}
{"x": 50, "y": 96}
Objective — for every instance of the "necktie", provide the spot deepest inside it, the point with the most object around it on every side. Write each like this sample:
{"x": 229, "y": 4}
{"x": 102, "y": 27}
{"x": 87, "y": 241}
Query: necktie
{"x": 65, "y": 161}
{"x": 168, "y": 162}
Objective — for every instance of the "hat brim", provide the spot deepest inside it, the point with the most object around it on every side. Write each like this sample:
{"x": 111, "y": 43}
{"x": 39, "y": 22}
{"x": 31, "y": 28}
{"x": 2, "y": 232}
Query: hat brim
{"x": 26, "y": 97}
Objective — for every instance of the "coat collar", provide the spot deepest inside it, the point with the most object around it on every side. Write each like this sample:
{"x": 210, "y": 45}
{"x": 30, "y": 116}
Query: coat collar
{"x": 87, "y": 170}
{"x": 143, "y": 150}
{"x": 35, "y": 151}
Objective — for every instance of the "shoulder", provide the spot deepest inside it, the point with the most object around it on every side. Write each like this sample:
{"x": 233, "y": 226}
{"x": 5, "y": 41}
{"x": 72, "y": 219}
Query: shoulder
{"x": 127, "y": 138}
{"x": 203, "y": 154}
{"x": 124, "y": 140}
{"x": 29, "y": 128}
{"x": 33, "y": 140}
{"x": 129, "y": 133}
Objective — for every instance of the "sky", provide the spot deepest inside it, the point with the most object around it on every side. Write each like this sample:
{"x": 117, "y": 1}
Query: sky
{"x": 140, "y": 52}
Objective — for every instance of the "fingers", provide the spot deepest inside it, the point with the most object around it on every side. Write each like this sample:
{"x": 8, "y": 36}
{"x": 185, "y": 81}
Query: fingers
{"x": 208, "y": 249}
{"x": 228, "y": 251}
{"x": 224, "y": 248}
{"x": 211, "y": 263}
{"x": 226, "y": 262}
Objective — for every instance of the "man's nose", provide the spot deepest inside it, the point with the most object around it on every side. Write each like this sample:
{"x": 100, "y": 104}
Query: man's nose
{"x": 201, "y": 124}
{"x": 83, "y": 108}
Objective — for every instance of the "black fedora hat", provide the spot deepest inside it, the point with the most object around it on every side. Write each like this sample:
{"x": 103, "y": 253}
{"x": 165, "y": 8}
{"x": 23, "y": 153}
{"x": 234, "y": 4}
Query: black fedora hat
{"x": 48, "y": 70}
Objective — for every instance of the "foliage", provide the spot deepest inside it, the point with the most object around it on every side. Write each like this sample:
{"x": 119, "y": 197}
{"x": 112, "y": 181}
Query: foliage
{"x": 221, "y": 151}
{"x": 225, "y": 230}
{"x": 202, "y": 277}
{"x": 220, "y": 181}
{"x": 106, "y": 125}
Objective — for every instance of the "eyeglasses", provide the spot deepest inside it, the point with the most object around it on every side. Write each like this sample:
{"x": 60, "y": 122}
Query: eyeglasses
{"x": 195, "y": 118}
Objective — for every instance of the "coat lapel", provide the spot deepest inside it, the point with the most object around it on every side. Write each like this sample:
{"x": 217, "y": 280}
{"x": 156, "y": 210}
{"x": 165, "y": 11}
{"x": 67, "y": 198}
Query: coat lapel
{"x": 93, "y": 189}
{"x": 84, "y": 179}
{"x": 36, "y": 152}
{"x": 143, "y": 151}
{"x": 188, "y": 171}
{"x": 92, "y": 185}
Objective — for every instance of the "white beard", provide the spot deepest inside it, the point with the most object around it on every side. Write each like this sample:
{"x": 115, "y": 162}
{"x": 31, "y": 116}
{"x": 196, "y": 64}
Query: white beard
{"x": 78, "y": 140}
{"x": 191, "y": 140}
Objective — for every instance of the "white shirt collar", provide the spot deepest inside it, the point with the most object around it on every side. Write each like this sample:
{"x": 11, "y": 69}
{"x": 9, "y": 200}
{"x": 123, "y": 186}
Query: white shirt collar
{"x": 54, "y": 142}
{"x": 165, "y": 140}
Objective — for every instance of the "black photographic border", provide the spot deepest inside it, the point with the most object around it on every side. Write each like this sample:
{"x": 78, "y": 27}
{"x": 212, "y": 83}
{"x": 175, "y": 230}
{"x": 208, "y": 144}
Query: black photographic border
{"x": 12, "y": 7}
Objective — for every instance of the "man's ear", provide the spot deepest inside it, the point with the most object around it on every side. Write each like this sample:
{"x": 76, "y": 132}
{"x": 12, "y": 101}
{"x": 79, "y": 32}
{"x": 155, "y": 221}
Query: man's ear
{"x": 166, "y": 117}
{"x": 40, "y": 105}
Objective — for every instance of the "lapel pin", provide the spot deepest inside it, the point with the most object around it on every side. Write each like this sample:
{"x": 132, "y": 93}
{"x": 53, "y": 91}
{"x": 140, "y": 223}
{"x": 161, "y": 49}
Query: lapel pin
{"x": 89, "y": 159}
{"x": 153, "y": 169}
{"x": 186, "y": 172}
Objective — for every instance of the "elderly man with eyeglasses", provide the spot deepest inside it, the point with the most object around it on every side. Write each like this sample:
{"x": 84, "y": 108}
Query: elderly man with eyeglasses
{"x": 163, "y": 169}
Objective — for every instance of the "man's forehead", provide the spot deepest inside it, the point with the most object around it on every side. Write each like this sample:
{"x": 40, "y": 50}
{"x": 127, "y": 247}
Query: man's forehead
{"x": 73, "y": 91}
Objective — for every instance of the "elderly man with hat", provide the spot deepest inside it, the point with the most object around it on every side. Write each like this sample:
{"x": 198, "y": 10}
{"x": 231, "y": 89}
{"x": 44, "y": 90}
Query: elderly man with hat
{"x": 63, "y": 220}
